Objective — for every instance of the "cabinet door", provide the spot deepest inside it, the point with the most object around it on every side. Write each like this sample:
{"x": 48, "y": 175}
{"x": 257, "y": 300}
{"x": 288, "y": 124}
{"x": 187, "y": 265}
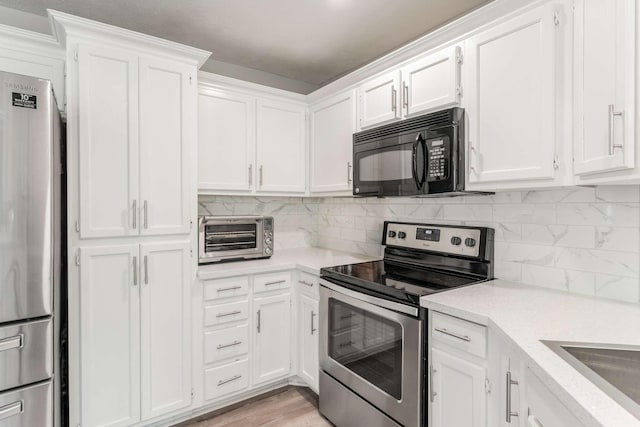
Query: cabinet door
{"x": 331, "y": 154}
{"x": 165, "y": 327}
{"x": 308, "y": 334}
{"x": 544, "y": 409}
{"x": 167, "y": 138}
{"x": 511, "y": 99}
{"x": 457, "y": 390}
{"x": 604, "y": 86}
{"x": 432, "y": 83}
{"x": 272, "y": 353}
{"x": 108, "y": 142}
{"x": 110, "y": 336}
{"x": 281, "y": 147}
{"x": 379, "y": 100}
{"x": 226, "y": 138}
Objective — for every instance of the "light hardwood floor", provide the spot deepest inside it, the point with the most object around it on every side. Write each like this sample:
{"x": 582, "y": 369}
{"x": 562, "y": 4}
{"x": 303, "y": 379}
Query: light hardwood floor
{"x": 293, "y": 407}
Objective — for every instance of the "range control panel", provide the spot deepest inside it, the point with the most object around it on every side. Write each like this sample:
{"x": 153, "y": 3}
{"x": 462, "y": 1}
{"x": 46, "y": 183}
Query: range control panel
{"x": 452, "y": 240}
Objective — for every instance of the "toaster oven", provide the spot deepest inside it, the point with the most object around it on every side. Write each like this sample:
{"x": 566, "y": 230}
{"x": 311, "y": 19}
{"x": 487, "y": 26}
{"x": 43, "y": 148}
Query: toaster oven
{"x": 234, "y": 238}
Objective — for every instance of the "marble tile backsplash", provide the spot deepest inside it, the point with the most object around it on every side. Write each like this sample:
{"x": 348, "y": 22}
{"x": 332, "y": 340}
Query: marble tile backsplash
{"x": 581, "y": 240}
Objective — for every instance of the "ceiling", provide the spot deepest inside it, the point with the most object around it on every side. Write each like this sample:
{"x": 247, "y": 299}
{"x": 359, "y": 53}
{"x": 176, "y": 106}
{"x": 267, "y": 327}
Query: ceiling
{"x": 311, "y": 41}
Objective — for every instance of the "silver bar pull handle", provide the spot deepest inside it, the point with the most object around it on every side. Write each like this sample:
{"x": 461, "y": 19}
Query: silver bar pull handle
{"x": 135, "y": 214}
{"x": 146, "y": 270}
{"x": 260, "y": 173}
{"x": 259, "y": 321}
{"x": 231, "y": 288}
{"x": 277, "y": 282}
{"x": 612, "y": 129}
{"x": 509, "y": 412}
{"x": 250, "y": 175}
{"x": 304, "y": 282}
{"x": 394, "y": 107}
{"x": 432, "y": 393}
{"x": 135, "y": 271}
{"x": 223, "y": 382}
{"x": 233, "y": 344}
{"x": 231, "y": 313}
{"x": 313, "y": 315}
{"x": 12, "y": 342}
{"x": 11, "y": 409}
{"x": 146, "y": 209}
{"x": 405, "y": 95}
{"x": 349, "y": 179}
{"x": 453, "y": 334}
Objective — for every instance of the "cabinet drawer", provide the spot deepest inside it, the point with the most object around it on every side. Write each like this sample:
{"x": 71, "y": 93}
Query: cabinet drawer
{"x": 226, "y": 288}
{"x": 26, "y": 353}
{"x": 226, "y": 343}
{"x": 271, "y": 282}
{"x": 226, "y": 379}
{"x": 225, "y": 313}
{"x": 461, "y": 334}
{"x": 308, "y": 284}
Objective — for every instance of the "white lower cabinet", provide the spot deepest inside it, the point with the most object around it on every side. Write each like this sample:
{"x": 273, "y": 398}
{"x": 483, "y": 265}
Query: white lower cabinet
{"x": 308, "y": 330}
{"x": 226, "y": 379}
{"x": 135, "y": 326}
{"x": 272, "y": 338}
{"x": 458, "y": 395}
{"x": 543, "y": 408}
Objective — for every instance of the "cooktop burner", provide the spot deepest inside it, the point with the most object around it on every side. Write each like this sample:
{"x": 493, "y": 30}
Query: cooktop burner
{"x": 420, "y": 260}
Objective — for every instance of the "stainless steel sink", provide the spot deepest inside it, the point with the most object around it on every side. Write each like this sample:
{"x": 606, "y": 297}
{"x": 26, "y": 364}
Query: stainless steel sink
{"x": 613, "y": 368}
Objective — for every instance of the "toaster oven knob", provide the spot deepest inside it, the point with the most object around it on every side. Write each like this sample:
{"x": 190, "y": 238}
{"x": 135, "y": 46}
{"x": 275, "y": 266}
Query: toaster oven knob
{"x": 470, "y": 242}
{"x": 455, "y": 241}
{"x": 402, "y": 235}
{"x": 268, "y": 251}
{"x": 268, "y": 241}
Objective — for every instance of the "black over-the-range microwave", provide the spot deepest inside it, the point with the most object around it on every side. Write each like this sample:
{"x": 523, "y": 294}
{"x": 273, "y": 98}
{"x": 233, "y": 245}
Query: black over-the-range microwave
{"x": 422, "y": 156}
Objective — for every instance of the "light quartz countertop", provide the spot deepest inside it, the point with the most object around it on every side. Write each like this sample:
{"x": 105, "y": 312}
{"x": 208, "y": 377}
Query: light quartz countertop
{"x": 524, "y": 315}
{"x": 310, "y": 260}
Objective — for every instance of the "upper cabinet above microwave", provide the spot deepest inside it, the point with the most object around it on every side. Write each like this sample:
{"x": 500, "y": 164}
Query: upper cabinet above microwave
{"x": 426, "y": 84}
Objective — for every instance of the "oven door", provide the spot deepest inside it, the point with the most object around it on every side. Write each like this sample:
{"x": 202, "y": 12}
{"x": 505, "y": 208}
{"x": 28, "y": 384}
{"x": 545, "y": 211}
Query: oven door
{"x": 229, "y": 238}
{"x": 373, "y": 349}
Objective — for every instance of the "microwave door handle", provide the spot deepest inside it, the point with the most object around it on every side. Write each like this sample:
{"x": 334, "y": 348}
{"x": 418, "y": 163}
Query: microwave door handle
{"x": 425, "y": 170}
{"x": 419, "y": 182}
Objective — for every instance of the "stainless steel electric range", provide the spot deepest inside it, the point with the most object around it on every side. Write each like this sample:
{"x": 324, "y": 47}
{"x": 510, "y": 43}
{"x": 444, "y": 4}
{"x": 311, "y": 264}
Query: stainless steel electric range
{"x": 373, "y": 345}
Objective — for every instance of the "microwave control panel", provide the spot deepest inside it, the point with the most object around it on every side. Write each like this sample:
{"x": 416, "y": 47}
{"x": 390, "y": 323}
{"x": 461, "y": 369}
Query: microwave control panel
{"x": 438, "y": 153}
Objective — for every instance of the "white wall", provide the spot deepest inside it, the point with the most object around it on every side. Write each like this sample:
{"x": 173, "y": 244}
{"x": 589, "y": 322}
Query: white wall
{"x": 581, "y": 240}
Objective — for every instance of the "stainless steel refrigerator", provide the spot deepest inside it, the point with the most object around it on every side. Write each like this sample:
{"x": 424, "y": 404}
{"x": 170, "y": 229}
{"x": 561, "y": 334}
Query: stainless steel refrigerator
{"x": 31, "y": 253}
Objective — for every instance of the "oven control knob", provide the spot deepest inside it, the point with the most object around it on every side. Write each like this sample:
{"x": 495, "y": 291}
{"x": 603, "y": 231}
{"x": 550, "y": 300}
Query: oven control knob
{"x": 391, "y": 233}
{"x": 470, "y": 242}
{"x": 402, "y": 235}
{"x": 268, "y": 251}
{"x": 455, "y": 241}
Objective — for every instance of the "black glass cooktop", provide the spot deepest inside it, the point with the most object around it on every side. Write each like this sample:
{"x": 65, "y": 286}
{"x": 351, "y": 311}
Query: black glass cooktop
{"x": 403, "y": 282}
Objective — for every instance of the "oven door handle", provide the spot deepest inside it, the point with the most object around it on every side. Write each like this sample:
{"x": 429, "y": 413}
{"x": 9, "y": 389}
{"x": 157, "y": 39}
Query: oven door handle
{"x": 389, "y": 305}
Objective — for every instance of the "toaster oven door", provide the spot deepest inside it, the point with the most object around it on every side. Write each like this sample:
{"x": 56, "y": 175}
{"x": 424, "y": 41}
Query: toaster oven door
{"x": 226, "y": 239}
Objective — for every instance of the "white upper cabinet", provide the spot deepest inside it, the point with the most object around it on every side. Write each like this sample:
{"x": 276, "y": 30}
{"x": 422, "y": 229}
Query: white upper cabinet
{"x": 379, "y": 100}
{"x": 510, "y": 93}
{"x": 432, "y": 82}
{"x": 108, "y": 131}
{"x": 226, "y": 139}
{"x": 281, "y": 147}
{"x": 333, "y": 123}
{"x": 136, "y": 136}
{"x": 604, "y": 86}
{"x": 167, "y": 138}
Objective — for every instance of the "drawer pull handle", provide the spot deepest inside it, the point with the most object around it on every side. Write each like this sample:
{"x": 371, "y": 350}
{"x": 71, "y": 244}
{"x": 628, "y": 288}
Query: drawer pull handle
{"x": 277, "y": 282}
{"x": 221, "y": 346}
{"x": 12, "y": 342}
{"x": 11, "y": 409}
{"x": 231, "y": 313}
{"x": 223, "y": 382}
{"x": 306, "y": 283}
{"x": 453, "y": 334}
{"x": 232, "y": 288}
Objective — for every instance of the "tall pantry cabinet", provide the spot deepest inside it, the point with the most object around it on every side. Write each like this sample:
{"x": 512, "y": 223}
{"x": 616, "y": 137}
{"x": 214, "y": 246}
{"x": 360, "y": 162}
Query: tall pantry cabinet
{"x": 132, "y": 211}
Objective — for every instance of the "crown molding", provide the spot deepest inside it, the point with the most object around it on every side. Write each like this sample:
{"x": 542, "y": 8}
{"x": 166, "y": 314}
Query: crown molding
{"x": 64, "y": 25}
{"x": 207, "y": 80}
{"x": 31, "y": 41}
